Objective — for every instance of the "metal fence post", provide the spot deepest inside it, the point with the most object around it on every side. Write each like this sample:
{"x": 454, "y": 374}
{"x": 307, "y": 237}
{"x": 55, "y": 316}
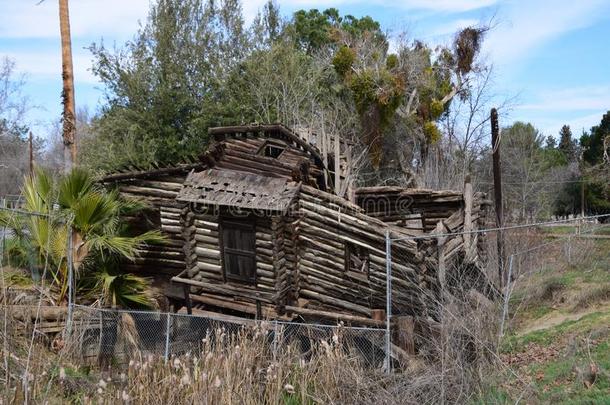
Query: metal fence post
{"x": 506, "y": 294}
{"x": 100, "y": 346}
{"x": 70, "y": 282}
{"x": 388, "y": 309}
{"x": 570, "y": 250}
{"x": 274, "y": 339}
{"x": 167, "y": 327}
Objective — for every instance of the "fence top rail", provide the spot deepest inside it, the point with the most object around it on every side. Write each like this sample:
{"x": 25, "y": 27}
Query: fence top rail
{"x": 213, "y": 318}
{"x": 317, "y": 325}
{"x": 57, "y": 217}
{"x": 567, "y": 237}
{"x": 504, "y": 228}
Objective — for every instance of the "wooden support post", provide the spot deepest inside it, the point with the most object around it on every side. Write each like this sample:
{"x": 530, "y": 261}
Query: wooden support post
{"x": 405, "y": 326}
{"x": 440, "y": 243}
{"x": 187, "y": 299}
{"x": 495, "y": 144}
{"x": 259, "y": 310}
{"x": 582, "y": 197}
{"x": 468, "y": 226}
{"x": 378, "y": 314}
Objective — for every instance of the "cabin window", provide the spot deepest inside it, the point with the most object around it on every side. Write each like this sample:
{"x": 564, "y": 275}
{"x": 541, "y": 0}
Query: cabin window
{"x": 238, "y": 245}
{"x": 271, "y": 150}
{"x": 356, "y": 259}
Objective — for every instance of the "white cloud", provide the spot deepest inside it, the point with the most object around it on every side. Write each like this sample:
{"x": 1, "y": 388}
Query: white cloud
{"x": 578, "y": 123}
{"x": 579, "y": 107}
{"x": 119, "y": 18}
{"x": 584, "y": 122}
{"x": 571, "y": 99}
{"x": 47, "y": 65}
{"x": 525, "y": 26}
{"x": 443, "y": 5}
{"x": 26, "y": 19}
{"x": 449, "y": 29}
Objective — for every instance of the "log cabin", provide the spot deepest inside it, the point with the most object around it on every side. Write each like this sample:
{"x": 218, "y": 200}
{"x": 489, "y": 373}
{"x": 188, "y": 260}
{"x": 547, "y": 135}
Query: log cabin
{"x": 254, "y": 227}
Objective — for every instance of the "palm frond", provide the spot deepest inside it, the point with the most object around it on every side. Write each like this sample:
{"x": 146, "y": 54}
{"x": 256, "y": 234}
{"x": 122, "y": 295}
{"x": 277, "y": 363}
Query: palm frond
{"x": 74, "y": 186}
{"x": 104, "y": 245}
{"x": 59, "y": 242}
{"x": 11, "y": 221}
{"x": 122, "y": 289}
{"x": 96, "y": 222}
{"x": 130, "y": 205}
{"x": 38, "y": 192}
{"x": 93, "y": 211}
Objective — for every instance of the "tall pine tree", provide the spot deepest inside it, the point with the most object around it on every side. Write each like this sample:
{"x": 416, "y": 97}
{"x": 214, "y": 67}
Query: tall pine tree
{"x": 567, "y": 144}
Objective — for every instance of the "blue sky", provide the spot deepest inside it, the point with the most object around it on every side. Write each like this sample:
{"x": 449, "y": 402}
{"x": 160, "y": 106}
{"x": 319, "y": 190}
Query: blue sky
{"x": 553, "y": 56}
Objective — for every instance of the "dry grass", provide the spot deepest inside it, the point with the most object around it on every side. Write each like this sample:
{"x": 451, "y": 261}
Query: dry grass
{"x": 241, "y": 368}
{"x": 588, "y": 297}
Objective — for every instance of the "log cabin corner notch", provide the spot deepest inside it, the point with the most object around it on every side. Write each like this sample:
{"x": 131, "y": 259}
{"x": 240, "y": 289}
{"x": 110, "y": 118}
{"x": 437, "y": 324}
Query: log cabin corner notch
{"x": 253, "y": 229}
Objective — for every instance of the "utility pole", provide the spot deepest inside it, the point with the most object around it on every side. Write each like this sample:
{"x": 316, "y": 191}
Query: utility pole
{"x": 495, "y": 144}
{"x": 67, "y": 72}
{"x": 31, "y": 146}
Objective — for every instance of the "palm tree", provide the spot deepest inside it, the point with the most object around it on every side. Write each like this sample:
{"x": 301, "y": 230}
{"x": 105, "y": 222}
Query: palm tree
{"x": 78, "y": 207}
{"x": 67, "y": 73}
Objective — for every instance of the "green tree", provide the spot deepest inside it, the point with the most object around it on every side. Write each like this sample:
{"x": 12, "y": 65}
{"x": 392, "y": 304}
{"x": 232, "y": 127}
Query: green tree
{"x": 415, "y": 84}
{"x": 592, "y": 176}
{"x": 164, "y": 88}
{"x": 329, "y": 72}
{"x": 530, "y": 172}
{"x": 593, "y": 142}
{"x": 595, "y": 147}
{"x": 267, "y": 26}
{"x": 567, "y": 145}
{"x": 13, "y": 130}
{"x": 314, "y": 29}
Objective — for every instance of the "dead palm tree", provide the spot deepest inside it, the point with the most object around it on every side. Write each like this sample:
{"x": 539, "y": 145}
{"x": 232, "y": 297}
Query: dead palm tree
{"x": 67, "y": 73}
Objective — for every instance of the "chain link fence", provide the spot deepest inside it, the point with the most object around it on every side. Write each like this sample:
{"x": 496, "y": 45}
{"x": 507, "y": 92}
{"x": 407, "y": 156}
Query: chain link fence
{"x": 114, "y": 337}
{"x": 467, "y": 311}
{"x": 541, "y": 265}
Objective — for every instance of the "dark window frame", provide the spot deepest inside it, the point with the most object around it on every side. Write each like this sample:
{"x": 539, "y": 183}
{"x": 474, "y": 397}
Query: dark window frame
{"x": 243, "y": 224}
{"x": 262, "y": 151}
{"x": 363, "y": 254}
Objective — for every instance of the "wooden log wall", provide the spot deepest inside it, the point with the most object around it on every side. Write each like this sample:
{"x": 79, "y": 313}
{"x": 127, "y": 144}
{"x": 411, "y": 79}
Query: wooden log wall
{"x": 204, "y": 267}
{"x": 420, "y": 211}
{"x": 281, "y": 247}
{"x": 167, "y": 259}
{"x": 414, "y": 209}
{"x": 326, "y": 225}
